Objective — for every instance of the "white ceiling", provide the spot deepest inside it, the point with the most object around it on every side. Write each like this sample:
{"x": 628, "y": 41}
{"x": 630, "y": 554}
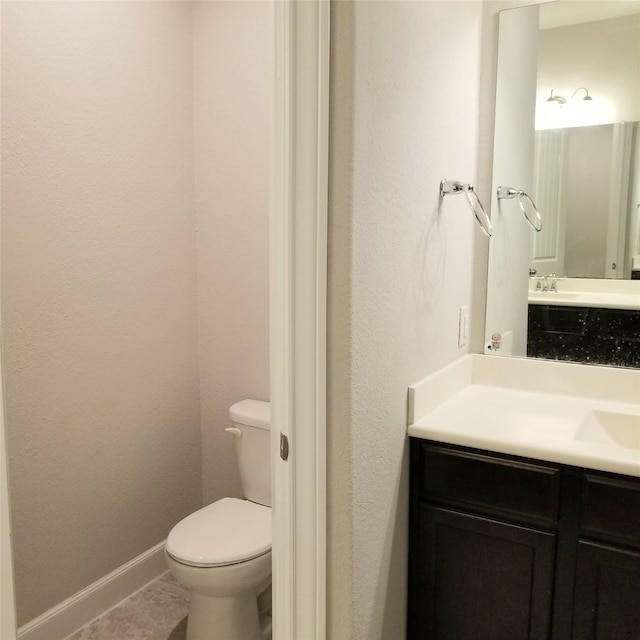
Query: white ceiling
{"x": 564, "y": 12}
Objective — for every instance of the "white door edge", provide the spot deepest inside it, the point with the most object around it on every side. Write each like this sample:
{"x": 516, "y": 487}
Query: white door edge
{"x": 7, "y": 595}
{"x": 298, "y": 317}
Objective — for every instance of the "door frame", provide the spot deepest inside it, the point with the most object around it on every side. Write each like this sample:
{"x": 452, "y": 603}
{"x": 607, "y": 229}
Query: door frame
{"x": 298, "y": 298}
{"x": 7, "y": 595}
{"x": 618, "y": 208}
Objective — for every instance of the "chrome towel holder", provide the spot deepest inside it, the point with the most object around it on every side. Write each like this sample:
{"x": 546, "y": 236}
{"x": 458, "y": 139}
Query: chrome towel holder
{"x": 455, "y": 187}
{"x": 507, "y": 193}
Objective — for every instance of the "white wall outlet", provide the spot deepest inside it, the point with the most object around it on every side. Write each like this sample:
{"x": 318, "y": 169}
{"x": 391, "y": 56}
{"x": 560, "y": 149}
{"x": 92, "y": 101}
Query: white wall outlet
{"x": 463, "y": 326}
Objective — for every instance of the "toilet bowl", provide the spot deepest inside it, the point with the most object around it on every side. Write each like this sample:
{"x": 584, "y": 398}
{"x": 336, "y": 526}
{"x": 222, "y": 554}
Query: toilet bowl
{"x": 222, "y": 552}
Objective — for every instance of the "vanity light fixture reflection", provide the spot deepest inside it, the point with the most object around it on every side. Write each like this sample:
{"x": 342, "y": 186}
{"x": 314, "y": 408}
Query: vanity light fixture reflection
{"x": 562, "y": 100}
{"x": 558, "y": 99}
{"x": 587, "y": 98}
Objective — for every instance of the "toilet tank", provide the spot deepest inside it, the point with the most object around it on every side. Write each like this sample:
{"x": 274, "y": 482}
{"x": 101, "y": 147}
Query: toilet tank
{"x": 251, "y": 424}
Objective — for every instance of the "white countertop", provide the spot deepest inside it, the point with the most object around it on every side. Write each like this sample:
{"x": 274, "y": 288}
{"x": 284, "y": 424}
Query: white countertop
{"x": 545, "y": 410}
{"x": 586, "y": 292}
{"x": 599, "y": 300}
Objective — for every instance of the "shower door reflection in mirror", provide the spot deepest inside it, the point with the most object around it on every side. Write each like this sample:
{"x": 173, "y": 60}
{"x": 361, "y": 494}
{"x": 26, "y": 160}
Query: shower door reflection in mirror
{"x": 582, "y": 182}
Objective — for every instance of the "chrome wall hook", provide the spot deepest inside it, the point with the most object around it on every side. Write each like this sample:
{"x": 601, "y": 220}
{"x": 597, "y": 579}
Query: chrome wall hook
{"x": 507, "y": 193}
{"x": 451, "y": 186}
{"x": 455, "y": 187}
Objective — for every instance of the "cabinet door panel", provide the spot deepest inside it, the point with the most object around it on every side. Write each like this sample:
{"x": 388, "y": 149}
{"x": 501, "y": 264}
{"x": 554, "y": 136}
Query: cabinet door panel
{"x": 481, "y": 579}
{"x": 607, "y": 593}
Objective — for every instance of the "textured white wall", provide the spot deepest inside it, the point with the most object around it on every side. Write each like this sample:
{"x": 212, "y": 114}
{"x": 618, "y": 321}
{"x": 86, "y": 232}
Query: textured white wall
{"x": 404, "y": 114}
{"x": 98, "y": 285}
{"x": 232, "y": 80}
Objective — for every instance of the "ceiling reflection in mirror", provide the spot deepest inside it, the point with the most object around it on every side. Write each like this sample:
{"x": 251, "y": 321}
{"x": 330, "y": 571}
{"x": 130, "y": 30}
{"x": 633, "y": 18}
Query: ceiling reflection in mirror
{"x": 576, "y": 295}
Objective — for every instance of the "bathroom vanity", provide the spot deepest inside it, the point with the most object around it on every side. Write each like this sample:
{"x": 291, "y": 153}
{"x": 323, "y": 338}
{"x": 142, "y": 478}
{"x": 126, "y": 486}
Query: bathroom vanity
{"x": 525, "y": 502}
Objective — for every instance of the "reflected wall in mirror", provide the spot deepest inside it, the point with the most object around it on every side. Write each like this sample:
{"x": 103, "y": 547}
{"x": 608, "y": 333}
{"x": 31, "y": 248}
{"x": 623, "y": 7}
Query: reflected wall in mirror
{"x": 587, "y": 153}
{"x": 568, "y": 131}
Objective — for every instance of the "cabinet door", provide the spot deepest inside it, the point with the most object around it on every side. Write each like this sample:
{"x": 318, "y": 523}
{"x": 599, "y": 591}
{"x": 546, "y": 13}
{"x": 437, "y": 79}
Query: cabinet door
{"x": 607, "y": 593}
{"x": 480, "y": 579}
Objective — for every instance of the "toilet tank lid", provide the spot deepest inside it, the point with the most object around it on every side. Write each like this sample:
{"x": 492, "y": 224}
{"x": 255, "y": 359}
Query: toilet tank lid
{"x": 253, "y": 413}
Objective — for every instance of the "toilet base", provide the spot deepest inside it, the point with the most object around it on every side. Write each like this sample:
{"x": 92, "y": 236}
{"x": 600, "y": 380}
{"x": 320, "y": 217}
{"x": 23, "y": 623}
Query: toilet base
{"x": 234, "y": 618}
{"x": 266, "y": 625}
{"x": 265, "y": 613}
{"x": 229, "y": 602}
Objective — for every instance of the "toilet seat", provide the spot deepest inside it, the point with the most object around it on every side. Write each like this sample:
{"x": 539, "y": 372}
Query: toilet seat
{"x": 226, "y": 532}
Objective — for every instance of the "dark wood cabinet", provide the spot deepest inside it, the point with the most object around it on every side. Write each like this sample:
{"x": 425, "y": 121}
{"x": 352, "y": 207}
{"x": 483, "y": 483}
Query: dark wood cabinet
{"x": 507, "y": 548}
{"x": 607, "y": 593}
{"x": 483, "y": 579}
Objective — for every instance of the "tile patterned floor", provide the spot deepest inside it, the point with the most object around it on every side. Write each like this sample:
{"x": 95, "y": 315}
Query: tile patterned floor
{"x": 157, "y": 612}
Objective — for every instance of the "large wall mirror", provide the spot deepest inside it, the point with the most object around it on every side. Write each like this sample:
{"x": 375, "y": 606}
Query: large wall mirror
{"x": 567, "y": 134}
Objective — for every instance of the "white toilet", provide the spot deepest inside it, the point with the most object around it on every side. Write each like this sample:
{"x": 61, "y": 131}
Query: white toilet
{"x": 222, "y": 553}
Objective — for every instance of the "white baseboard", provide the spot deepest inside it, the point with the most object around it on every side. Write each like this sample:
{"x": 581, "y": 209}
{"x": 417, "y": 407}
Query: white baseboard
{"x": 86, "y": 605}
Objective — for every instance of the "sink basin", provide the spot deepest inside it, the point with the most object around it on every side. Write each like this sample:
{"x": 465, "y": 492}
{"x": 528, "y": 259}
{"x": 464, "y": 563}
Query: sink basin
{"x": 606, "y": 427}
